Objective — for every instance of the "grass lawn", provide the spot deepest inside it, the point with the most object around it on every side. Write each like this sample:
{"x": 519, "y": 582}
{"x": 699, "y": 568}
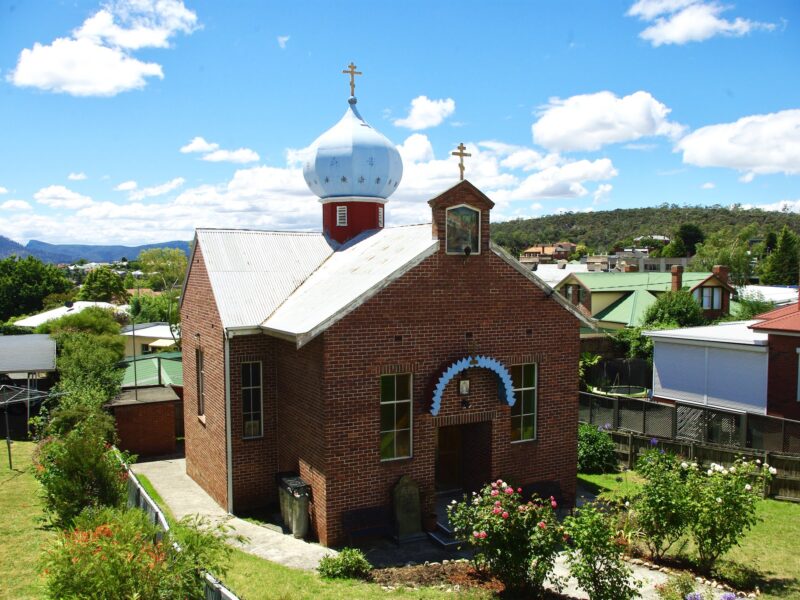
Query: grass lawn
{"x": 22, "y": 535}
{"x": 253, "y": 578}
{"x": 771, "y": 547}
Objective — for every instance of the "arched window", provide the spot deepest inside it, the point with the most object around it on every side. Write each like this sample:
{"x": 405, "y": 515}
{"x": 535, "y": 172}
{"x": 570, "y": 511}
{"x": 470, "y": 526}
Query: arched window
{"x": 463, "y": 230}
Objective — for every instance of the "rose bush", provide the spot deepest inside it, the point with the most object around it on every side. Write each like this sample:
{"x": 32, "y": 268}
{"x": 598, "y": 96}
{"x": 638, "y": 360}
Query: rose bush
{"x": 515, "y": 540}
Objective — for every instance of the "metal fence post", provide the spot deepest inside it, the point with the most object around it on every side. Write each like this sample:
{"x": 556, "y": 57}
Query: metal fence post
{"x": 615, "y": 416}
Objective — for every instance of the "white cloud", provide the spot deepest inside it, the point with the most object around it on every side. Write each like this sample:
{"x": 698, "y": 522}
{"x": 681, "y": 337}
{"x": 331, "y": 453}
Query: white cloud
{"x": 780, "y": 206}
{"x": 199, "y": 144}
{"x": 708, "y": 185}
{"x": 96, "y": 59}
{"x": 157, "y": 190}
{"x": 682, "y": 21}
{"x": 601, "y": 194}
{"x": 76, "y": 176}
{"x": 242, "y": 155}
{"x": 564, "y": 181}
{"x": 126, "y": 186}
{"x": 15, "y": 205}
{"x": 3, "y": 191}
{"x": 425, "y": 113}
{"x": 212, "y": 152}
{"x": 753, "y": 145}
{"x": 416, "y": 148}
{"x": 58, "y": 196}
{"x": 282, "y": 40}
{"x": 590, "y": 121}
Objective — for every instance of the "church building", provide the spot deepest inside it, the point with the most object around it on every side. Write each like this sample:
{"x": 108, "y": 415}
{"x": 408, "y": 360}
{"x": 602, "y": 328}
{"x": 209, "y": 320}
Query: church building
{"x": 365, "y": 352}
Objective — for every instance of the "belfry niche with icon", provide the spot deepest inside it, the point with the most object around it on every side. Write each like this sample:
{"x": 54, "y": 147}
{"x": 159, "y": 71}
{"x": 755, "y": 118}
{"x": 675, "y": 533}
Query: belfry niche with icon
{"x": 389, "y": 368}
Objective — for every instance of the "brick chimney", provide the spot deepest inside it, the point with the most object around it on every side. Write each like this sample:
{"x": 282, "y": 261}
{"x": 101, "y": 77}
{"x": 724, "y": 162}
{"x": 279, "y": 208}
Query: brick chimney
{"x": 677, "y": 277}
{"x": 721, "y": 272}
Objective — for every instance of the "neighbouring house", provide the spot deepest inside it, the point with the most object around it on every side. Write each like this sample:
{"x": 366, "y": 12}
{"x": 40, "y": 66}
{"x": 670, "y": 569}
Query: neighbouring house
{"x": 70, "y": 309}
{"x": 365, "y": 353}
{"x": 618, "y": 300}
{"x": 721, "y": 366}
{"x": 632, "y": 260}
{"x": 547, "y": 253}
{"x": 149, "y": 408}
{"x": 27, "y": 362}
{"x": 146, "y": 338}
{"x": 553, "y": 274}
{"x": 782, "y": 327}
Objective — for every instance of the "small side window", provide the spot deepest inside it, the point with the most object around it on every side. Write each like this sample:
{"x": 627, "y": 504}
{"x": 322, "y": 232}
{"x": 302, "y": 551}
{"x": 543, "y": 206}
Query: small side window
{"x": 341, "y": 216}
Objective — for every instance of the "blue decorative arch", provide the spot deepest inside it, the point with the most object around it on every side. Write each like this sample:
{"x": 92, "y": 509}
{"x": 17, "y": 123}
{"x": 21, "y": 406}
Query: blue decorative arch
{"x": 463, "y": 364}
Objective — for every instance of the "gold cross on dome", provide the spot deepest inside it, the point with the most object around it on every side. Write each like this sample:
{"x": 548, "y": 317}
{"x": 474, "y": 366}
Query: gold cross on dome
{"x": 351, "y": 70}
{"x": 461, "y": 154}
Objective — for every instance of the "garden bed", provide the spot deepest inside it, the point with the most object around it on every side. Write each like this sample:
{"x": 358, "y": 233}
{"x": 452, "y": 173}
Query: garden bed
{"x": 455, "y": 576}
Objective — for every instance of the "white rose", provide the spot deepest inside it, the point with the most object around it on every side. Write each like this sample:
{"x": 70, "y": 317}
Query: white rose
{"x": 684, "y": 465}
{"x": 758, "y": 461}
{"x": 748, "y": 487}
{"x": 719, "y": 500}
{"x": 732, "y": 469}
{"x": 710, "y": 472}
{"x": 773, "y": 470}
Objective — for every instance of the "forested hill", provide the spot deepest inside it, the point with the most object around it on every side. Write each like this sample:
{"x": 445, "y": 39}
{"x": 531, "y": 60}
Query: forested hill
{"x": 601, "y": 230}
{"x": 68, "y": 253}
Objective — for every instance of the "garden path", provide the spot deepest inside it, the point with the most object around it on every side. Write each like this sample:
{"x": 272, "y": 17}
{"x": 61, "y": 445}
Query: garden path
{"x": 184, "y": 497}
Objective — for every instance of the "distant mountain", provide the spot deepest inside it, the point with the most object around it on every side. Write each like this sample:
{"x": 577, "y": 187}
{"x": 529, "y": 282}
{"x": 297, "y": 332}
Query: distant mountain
{"x": 73, "y": 252}
{"x": 69, "y": 253}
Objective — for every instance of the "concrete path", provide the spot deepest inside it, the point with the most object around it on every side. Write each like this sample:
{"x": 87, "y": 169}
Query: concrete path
{"x": 184, "y": 497}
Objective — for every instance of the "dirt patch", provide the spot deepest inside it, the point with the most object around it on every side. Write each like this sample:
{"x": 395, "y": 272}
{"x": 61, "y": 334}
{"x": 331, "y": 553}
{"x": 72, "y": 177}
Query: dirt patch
{"x": 452, "y": 575}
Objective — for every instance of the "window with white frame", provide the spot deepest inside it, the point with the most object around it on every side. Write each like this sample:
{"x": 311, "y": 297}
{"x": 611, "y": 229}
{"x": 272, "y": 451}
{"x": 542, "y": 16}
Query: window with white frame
{"x": 252, "y": 402}
{"x": 341, "y": 216}
{"x": 201, "y": 385}
{"x": 380, "y": 216}
{"x": 710, "y": 298}
{"x": 523, "y": 413}
{"x": 395, "y": 416}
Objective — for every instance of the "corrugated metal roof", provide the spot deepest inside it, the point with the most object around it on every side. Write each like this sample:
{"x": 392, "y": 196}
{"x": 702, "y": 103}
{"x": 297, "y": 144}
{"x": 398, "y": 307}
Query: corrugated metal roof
{"x": 733, "y": 332}
{"x": 625, "y": 282}
{"x": 161, "y": 332}
{"x": 349, "y": 277}
{"x": 253, "y": 272}
{"x": 57, "y": 313}
{"x": 628, "y": 310}
{"x": 27, "y": 353}
{"x": 153, "y": 371}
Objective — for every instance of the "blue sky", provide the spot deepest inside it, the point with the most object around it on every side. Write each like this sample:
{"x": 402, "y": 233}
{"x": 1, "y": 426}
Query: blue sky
{"x": 138, "y": 120}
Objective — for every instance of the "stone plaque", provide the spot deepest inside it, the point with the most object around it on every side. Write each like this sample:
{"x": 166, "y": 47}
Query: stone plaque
{"x": 407, "y": 511}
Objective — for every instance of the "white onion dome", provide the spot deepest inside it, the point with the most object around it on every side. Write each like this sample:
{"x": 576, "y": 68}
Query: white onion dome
{"x": 353, "y": 159}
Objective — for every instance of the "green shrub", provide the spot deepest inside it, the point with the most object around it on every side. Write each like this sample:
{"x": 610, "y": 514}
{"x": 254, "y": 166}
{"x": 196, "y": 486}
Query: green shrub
{"x": 596, "y": 451}
{"x": 595, "y": 556}
{"x": 722, "y": 504}
{"x": 349, "y": 564}
{"x": 118, "y": 554}
{"x": 676, "y": 587}
{"x": 80, "y": 469}
{"x": 662, "y": 507}
{"x": 516, "y": 541}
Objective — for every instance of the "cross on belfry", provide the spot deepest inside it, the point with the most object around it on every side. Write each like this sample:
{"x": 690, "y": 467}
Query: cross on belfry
{"x": 461, "y": 154}
{"x": 351, "y": 70}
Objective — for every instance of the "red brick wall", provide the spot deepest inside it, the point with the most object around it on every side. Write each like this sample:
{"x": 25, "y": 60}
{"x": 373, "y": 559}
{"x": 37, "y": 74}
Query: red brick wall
{"x": 254, "y": 459}
{"x": 206, "y": 454}
{"x": 420, "y": 324}
{"x": 782, "y": 377}
{"x": 146, "y": 429}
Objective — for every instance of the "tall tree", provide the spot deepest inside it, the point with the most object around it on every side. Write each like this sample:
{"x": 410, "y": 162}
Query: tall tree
{"x": 727, "y": 247}
{"x": 675, "y": 249}
{"x": 691, "y": 235}
{"x": 25, "y": 283}
{"x": 103, "y": 285}
{"x": 674, "y": 309}
{"x": 164, "y": 267}
{"x": 782, "y": 266}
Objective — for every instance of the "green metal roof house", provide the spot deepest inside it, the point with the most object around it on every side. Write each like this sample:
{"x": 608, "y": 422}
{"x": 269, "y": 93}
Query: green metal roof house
{"x": 618, "y": 300}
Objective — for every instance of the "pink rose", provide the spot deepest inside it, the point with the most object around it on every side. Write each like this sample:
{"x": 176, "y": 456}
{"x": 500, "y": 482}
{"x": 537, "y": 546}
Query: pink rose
{"x": 475, "y": 534}
{"x": 496, "y": 510}
{"x": 509, "y": 490}
{"x": 495, "y": 492}
{"x": 505, "y": 515}
{"x": 482, "y": 535}
{"x": 542, "y": 525}
{"x": 494, "y": 485}
{"x": 499, "y": 482}
{"x": 553, "y": 503}
{"x": 519, "y": 490}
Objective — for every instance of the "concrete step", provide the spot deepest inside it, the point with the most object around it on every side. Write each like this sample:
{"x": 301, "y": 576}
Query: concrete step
{"x": 445, "y": 538}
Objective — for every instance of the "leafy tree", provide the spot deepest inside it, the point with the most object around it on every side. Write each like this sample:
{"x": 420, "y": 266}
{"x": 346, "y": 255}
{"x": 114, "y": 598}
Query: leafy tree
{"x": 165, "y": 267}
{"x": 87, "y": 364}
{"x": 580, "y": 251}
{"x": 57, "y": 300}
{"x": 103, "y": 285}
{"x": 675, "y": 309}
{"x": 129, "y": 282}
{"x": 727, "y": 247}
{"x": 25, "y": 283}
{"x": 691, "y": 235}
{"x": 770, "y": 241}
{"x": 162, "y": 308}
{"x": 781, "y": 267}
{"x": 675, "y": 249}
{"x": 630, "y": 342}
{"x": 750, "y": 306}
{"x": 94, "y": 320}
